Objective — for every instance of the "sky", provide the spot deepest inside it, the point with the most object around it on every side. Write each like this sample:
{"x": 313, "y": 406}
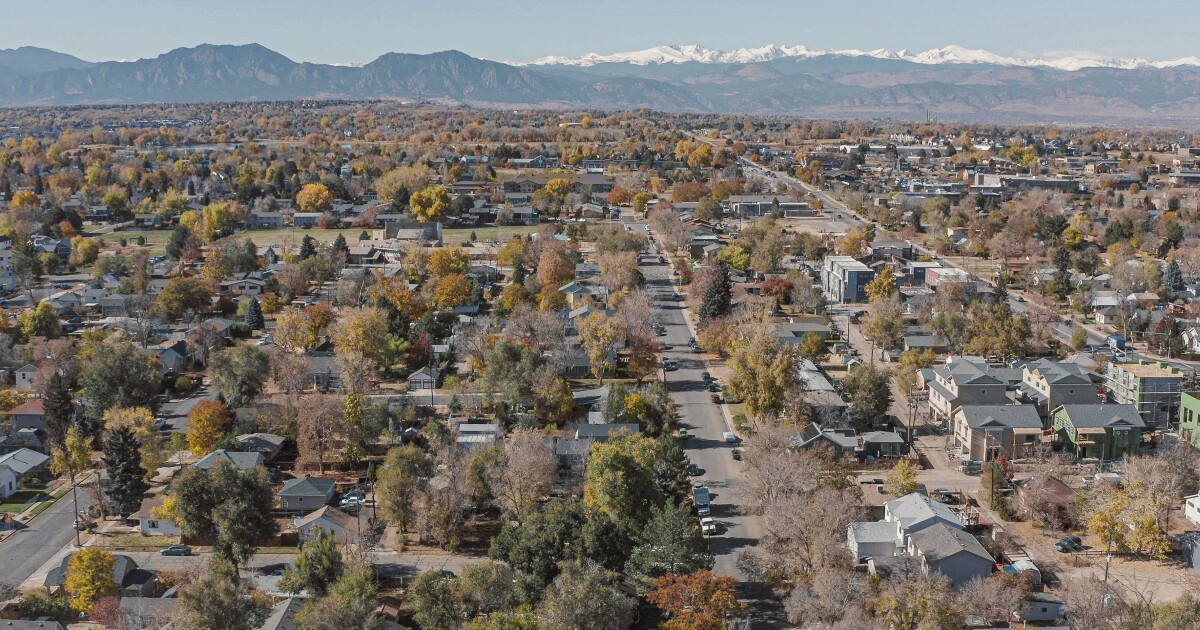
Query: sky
{"x": 358, "y": 31}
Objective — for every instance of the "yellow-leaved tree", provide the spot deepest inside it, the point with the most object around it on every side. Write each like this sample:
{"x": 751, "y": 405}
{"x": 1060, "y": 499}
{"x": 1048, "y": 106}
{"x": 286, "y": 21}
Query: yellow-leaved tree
{"x": 89, "y": 577}
{"x": 430, "y": 204}
{"x": 314, "y": 198}
{"x": 207, "y": 422}
{"x": 452, "y": 290}
{"x": 363, "y": 331}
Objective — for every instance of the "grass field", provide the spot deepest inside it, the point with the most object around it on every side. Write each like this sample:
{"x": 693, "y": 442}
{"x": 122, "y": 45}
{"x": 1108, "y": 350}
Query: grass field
{"x": 156, "y": 240}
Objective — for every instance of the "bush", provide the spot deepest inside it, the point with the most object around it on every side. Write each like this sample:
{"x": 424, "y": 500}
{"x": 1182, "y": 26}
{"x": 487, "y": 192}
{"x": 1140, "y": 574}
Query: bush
{"x": 35, "y": 605}
{"x": 184, "y": 385}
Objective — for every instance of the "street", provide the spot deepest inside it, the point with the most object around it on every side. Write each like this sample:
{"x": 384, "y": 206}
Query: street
{"x": 706, "y": 447}
{"x": 44, "y": 537}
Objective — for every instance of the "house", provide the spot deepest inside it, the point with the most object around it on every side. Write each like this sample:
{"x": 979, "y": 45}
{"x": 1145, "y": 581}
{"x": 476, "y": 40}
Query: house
{"x": 241, "y": 461}
{"x": 306, "y": 493}
{"x": 476, "y": 434}
{"x": 266, "y": 444}
{"x": 131, "y": 581}
{"x": 365, "y": 255}
{"x": 1041, "y": 607}
{"x": 266, "y": 220}
{"x": 1053, "y": 500}
{"x": 1050, "y": 383}
{"x": 249, "y": 287}
{"x": 842, "y": 441}
{"x": 25, "y": 376}
{"x": 151, "y": 525}
{"x": 283, "y": 614}
{"x": 1191, "y": 509}
{"x": 964, "y": 381}
{"x": 917, "y": 512}
{"x": 579, "y": 293}
{"x": 983, "y": 432}
{"x": 586, "y": 270}
{"x": 306, "y": 219}
{"x": 743, "y": 206}
{"x": 15, "y": 466}
{"x": 425, "y": 233}
{"x": 323, "y": 371}
{"x": 1100, "y": 431}
{"x": 1153, "y": 388}
{"x": 425, "y": 378}
{"x": 343, "y": 526}
{"x": 871, "y": 539}
{"x": 844, "y": 279}
{"x": 950, "y": 552}
{"x": 881, "y": 444}
{"x": 28, "y": 415}
{"x": 601, "y": 432}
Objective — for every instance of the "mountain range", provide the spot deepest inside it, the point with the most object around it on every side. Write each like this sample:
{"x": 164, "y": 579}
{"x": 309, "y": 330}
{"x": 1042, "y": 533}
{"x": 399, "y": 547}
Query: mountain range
{"x": 951, "y": 83}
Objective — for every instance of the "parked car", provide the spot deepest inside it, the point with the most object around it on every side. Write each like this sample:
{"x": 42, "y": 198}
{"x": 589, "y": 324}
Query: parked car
{"x": 716, "y": 399}
{"x": 713, "y": 387}
{"x": 708, "y": 526}
{"x": 705, "y": 376}
{"x": 1069, "y": 544}
{"x": 737, "y": 454}
{"x": 177, "y": 550}
{"x": 693, "y": 470}
{"x": 352, "y": 500}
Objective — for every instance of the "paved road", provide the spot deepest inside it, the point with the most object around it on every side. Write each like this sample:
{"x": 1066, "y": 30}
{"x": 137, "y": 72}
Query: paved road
{"x": 26, "y": 550}
{"x": 706, "y": 448}
{"x": 176, "y": 412}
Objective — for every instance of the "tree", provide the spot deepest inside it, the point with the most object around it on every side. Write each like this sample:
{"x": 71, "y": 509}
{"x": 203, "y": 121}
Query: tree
{"x": 89, "y": 577}
{"x": 41, "y": 321}
{"x": 295, "y": 331}
{"x": 586, "y": 598}
{"x": 184, "y": 296}
{"x": 349, "y": 604}
{"x": 778, "y": 289}
{"x": 884, "y": 322}
{"x": 430, "y": 204}
{"x": 902, "y": 479}
{"x": 231, "y": 507}
{"x": 314, "y": 198}
{"x": 239, "y": 372}
{"x": 619, "y": 483}
{"x": 1107, "y": 522}
{"x": 452, "y": 290}
{"x": 718, "y": 297}
{"x": 918, "y": 601}
{"x": 699, "y": 601}
{"x": 882, "y": 286}
{"x": 364, "y": 331}
{"x": 524, "y": 474}
{"x": 402, "y": 477}
{"x": 254, "y": 315}
{"x": 813, "y": 347}
{"x": 599, "y": 334}
{"x": 207, "y": 422}
{"x": 317, "y": 567}
{"x": 554, "y": 266}
{"x": 869, "y": 393}
{"x": 670, "y": 544}
{"x": 140, "y": 422}
{"x": 763, "y": 370}
{"x": 444, "y": 261}
{"x": 126, "y": 477}
{"x": 58, "y": 407}
{"x": 1173, "y": 278}
{"x": 217, "y": 599}
{"x": 437, "y": 601}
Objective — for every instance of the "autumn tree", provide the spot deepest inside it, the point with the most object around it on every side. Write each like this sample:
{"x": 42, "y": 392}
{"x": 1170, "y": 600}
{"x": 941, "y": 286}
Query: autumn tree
{"x": 402, "y": 478}
{"x": 882, "y": 286}
{"x": 314, "y": 198}
{"x": 184, "y": 297}
{"x": 524, "y": 473}
{"x": 698, "y": 601}
{"x": 207, "y": 422}
{"x": 586, "y": 597}
{"x": 430, "y": 204}
{"x": 239, "y": 372}
{"x": 41, "y": 321}
{"x": 902, "y": 479}
{"x": 599, "y": 334}
{"x": 868, "y": 390}
{"x": 217, "y": 599}
{"x": 452, "y": 290}
{"x": 444, "y": 261}
{"x": 117, "y": 374}
{"x": 295, "y": 331}
{"x": 229, "y": 506}
{"x": 763, "y": 370}
{"x": 89, "y": 577}
{"x": 620, "y": 479}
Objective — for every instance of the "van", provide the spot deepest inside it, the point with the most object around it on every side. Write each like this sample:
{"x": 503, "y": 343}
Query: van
{"x": 730, "y": 438}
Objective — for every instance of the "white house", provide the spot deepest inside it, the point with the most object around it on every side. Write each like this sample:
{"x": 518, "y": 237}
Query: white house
{"x": 25, "y": 375}
{"x": 343, "y": 526}
{"x": 916, "y": 512}
{"x": 1191, "y": 508}
{"x": 16, "y": 465}
{"x": 151, "y": 525}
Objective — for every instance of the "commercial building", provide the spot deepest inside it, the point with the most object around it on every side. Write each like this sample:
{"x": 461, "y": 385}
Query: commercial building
{"x": 845, "y": 279}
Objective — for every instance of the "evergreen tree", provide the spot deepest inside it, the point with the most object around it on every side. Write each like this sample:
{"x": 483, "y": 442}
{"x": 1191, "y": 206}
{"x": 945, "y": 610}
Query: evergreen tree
{"x": 1173, "y": 278}
{"x": 127, "y": 478}
{"x": 718, "y": 298}
{"x": 308, "y": 247}
{"x": 58, "y": 407}
{"x": 340, "y": 245}
{"x": 364, "y": 236}
{"x": 254, "y": 315}
{"x": 180, "y": 237}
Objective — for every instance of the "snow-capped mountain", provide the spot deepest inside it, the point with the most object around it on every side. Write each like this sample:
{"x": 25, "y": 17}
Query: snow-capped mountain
{"x": 945, "y": 55}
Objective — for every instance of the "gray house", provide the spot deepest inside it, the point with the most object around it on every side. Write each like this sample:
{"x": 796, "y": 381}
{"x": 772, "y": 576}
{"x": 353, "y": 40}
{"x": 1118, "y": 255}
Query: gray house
{"x": 305, "y": 494}
{"x": 984, "y": 431}
{"x": 241, "y": 461}
{"x": 952, "y": 553}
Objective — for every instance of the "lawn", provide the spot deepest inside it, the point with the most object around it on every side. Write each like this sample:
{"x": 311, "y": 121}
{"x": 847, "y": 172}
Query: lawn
{"x": 135, "y": 541}
{"x": 21, "y": 500}
{"x": 157, "y": 239}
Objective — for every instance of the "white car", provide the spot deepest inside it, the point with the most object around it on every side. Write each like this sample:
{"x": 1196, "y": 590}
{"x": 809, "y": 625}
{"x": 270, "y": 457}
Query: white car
{"x": 708, "y": 526}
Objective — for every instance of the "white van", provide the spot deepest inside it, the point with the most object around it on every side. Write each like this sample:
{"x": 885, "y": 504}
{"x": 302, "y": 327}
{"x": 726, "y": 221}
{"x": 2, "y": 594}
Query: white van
{"x": 731, "y": 438}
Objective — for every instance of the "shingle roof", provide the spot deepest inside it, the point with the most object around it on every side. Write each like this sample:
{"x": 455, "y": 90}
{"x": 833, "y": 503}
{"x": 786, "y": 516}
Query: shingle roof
{"x": 307, "y": 486}
{"x": 331, "y": 514}
{"x": 243, "y": 461}
{"x": 1100, "y": 416}
{"x": 872, "y": 532}
{"x": 1012, "y": 416}
{"x": 942, "y": 541}
{"x": 915, "y": 508}
{"x": 23, "y": 460}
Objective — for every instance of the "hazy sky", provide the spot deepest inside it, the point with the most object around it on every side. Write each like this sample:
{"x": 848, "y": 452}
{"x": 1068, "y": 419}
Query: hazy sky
{"x": 358, "y": 31}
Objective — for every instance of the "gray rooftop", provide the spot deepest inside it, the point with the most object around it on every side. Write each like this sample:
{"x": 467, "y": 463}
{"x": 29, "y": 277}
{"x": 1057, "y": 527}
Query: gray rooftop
{"x": 1101, "y": 416}
{"x": 1011, "y": 416}
{"x": 941, "y": 541}
{"x": 243, "y": 461}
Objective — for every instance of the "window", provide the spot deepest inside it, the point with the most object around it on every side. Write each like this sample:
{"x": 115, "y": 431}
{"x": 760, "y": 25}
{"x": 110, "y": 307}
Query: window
{"x": 153, "y": 524}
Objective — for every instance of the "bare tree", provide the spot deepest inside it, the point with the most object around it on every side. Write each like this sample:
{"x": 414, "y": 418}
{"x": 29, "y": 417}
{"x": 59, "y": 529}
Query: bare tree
{"x": 833, "y": 599}
{"x": 320, "y": 417}
{"x": 994, "y": 599}
{"x": 289, "y": 371}
{"x": 357, "y": 372}
{"x": 524, "y": 474}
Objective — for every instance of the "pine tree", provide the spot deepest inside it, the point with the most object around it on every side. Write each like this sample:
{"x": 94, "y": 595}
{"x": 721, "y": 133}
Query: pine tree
{"x": 364, "y": 236}
{"x": 1173, "y": 278}
{"x": 308, "y": 248}
{"x": 127, "y": 478}
{"x": 58, "y": 408}
{"x": 718, "y": 298}
{"x": 254, "y": 315}
{"x": 340, "y": 245}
